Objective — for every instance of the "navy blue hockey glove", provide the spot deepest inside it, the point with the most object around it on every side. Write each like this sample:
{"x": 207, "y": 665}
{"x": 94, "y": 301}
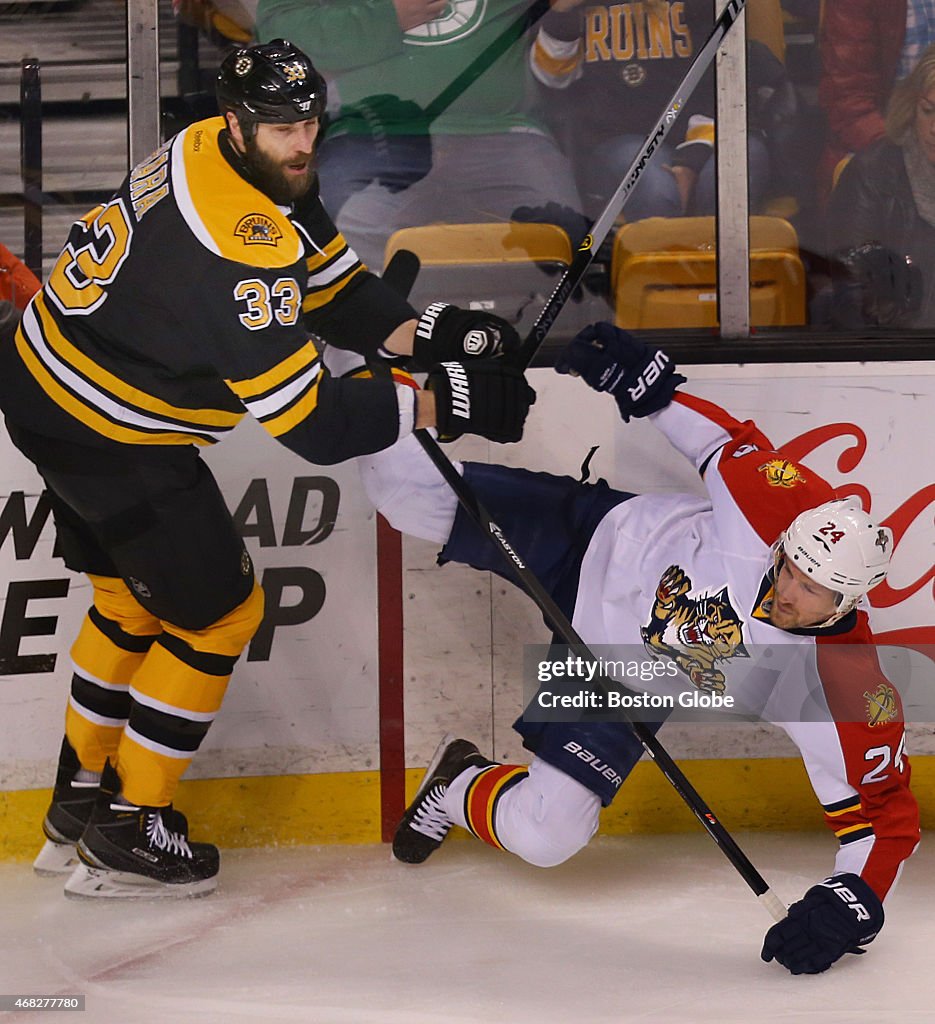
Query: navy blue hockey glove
{"x": 835, "y": 917}
{"x": 485, "y": 397}
{"x": 445, "y": 333}
{"x": 642, "y": 380}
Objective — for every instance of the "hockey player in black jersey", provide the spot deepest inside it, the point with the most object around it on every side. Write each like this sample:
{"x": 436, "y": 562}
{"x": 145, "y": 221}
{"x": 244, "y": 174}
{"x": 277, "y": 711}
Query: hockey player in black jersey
{"x": 200, "y": 292}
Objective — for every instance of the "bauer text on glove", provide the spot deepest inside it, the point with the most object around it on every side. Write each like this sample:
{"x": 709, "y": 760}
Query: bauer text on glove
{"x": 641, "y": 379}
{"x": 835, "y": 917}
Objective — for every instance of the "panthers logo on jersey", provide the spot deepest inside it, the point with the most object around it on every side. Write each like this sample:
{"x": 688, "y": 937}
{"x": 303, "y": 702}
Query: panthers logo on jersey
{"x": 697, "y": 633}
{"x": 881, "y": 705}
{"x": 458, "y": 20}
{"x": 781, "y": 473}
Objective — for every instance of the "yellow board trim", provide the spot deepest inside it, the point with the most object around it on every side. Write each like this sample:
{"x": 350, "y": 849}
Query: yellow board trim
{"x": 771, "y": 794}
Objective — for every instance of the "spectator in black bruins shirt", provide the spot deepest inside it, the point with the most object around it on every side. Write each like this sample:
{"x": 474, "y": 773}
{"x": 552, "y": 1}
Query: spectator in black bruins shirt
{"x": 199, "y": 293}
{"x": 620, "y": 64}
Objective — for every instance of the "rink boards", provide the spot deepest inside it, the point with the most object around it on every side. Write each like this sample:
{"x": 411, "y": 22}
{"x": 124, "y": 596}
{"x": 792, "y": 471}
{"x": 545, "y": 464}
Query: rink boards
{"x": 295, "y": 755}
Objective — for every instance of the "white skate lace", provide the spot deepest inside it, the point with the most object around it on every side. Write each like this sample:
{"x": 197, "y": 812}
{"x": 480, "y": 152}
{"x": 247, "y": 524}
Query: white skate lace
{"x": 160, "y": 837}
{"x": 430, "y": 818}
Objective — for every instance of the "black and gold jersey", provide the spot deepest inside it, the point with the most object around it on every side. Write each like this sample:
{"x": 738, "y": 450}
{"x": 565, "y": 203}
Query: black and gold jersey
{"x": 190, "y": 299}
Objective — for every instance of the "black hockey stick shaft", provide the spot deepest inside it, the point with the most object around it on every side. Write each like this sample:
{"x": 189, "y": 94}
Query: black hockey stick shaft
{"x": 591, "y": 242}
{"x": 562, "y": 627}
{"x": 525, "y": 578}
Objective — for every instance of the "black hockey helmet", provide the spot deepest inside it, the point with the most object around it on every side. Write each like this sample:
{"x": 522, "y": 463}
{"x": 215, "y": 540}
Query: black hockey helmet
{"x": 270, "y": 83}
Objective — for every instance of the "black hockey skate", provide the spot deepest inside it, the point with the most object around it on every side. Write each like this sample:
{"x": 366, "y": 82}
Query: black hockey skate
{"x": 129, "y": 852}
{"x": 425, "y": 823}
{"x": 67, "y": 816}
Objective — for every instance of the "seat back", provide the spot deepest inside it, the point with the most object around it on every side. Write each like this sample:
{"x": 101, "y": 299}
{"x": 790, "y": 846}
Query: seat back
{"x": 664, "y": 274}
{"x": 506, "y": 268}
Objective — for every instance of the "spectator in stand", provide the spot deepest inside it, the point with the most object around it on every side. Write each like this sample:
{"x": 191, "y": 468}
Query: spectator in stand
{"x": 620, "y": 64}
{"x": 866, "y": 47}
{"x": 886, "y": 196}
{"x": 385, "y": 164}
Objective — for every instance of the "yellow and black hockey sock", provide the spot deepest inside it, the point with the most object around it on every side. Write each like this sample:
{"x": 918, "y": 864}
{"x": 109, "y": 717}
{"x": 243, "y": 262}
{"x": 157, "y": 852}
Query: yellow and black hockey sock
{"x": 175, "y": 696}
{"x": 114, "y": 638}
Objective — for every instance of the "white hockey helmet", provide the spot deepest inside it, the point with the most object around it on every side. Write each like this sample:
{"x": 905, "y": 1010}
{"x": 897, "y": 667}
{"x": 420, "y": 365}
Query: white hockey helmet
{"x": 839, "y": 546}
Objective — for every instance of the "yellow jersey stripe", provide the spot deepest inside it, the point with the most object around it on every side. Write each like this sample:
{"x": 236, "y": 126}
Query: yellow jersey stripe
{"x": 276, "y": 375}
{"x": 120, "y": 390}
{"x": 318, "y": 258}
{"x": 303, "y": 408}
{"x": 844, "y": 810}
{"x": 87, "y": 415}
{"x": 853, "y": 828}
{"x": 554, "y": 66}
{"x": 315, "y": 300}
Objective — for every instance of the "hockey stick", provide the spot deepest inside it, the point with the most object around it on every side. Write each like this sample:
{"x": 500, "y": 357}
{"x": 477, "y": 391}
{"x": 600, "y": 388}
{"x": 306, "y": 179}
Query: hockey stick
{"x": 605, "y": 221}
{"x": 526, "y": 579}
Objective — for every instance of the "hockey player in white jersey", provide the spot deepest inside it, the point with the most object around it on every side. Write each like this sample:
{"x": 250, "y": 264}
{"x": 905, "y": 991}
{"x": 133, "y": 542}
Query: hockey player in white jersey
{"x": 768, "y": 557}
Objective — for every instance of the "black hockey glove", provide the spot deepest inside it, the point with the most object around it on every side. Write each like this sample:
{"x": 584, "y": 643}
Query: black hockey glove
{"x": 484, "y": 397}
{"x": 445, "y": 333}
{"x": 876, "y": 287}
{"x": 574, "y": 224}
{"x": 610, "y": 359}
{"x": 835, "y": 917}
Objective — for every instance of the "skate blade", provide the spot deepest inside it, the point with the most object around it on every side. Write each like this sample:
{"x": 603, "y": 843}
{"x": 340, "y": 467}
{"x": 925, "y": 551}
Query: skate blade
{"x": 55, "y": 859}
{"x": 87, "y": 883}
{"x": 446, "y": 740}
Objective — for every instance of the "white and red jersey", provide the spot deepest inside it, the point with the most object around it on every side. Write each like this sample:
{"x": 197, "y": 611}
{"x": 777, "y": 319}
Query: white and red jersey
{"x": 689, "y": 579}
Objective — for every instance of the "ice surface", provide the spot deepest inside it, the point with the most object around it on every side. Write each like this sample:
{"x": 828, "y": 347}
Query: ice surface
{"x": 633, "y": 929}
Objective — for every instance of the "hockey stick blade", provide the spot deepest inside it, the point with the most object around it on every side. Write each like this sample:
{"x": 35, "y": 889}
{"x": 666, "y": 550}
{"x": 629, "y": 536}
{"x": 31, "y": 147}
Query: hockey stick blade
{"x": 401, "y": 272}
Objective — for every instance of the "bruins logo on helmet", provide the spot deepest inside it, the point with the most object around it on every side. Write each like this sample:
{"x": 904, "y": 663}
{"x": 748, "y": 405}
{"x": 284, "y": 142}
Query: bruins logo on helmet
{"x": 781, "y": 473}
{"x": 881, "y": 705}
{"x": 258, "y": 229}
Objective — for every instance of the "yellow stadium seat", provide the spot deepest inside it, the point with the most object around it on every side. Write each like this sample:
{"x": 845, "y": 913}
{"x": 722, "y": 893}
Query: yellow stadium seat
{"x": 664, "y": 274}
{"x": 506, "y": 268}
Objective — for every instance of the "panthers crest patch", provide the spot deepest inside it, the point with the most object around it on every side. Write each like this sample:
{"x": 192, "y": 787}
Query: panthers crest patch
{"x": 781, "y": 473}
{"x": 698, "y": 632}
{"x": 881, "y": 705}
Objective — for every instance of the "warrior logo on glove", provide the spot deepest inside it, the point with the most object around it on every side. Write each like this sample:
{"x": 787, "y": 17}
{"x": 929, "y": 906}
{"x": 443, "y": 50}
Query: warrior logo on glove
{"x": 448, "y": 333}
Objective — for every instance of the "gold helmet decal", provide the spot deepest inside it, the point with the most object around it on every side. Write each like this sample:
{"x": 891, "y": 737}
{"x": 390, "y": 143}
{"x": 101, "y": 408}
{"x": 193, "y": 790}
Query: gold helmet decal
{"x": 258, "y": 229}
{"x": 781, "y": 473}
{"x": 294, "y": 71}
